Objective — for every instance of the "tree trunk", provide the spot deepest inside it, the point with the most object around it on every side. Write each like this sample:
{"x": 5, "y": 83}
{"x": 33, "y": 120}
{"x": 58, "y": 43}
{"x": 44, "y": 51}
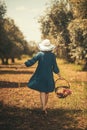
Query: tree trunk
{"x": 13, "y": 60}
{"x": 85, "y": 66}
{"x": 3, "y": 62}
{"x": 6, "y": 62}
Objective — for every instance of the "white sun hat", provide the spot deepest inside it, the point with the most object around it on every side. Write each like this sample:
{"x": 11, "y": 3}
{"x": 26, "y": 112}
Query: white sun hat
{"x": 45, "y": 45}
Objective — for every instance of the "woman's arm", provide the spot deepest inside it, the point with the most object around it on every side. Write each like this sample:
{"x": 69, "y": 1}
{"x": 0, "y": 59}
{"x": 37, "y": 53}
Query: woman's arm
{"x": 29, "y": 62}
{"x": 32, "y": 61}
{"x": 56, "y": 68}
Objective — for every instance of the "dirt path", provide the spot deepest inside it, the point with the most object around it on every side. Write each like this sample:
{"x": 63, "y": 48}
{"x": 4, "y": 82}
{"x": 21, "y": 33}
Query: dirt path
{"x": 20, "y": 106}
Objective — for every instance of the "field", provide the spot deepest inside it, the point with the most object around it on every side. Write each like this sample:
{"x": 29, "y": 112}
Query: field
{"x": 20, "y": 106}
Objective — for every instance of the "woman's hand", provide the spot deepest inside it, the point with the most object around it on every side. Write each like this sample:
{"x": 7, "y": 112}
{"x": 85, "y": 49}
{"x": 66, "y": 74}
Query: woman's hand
{"x": 59, "y": 76}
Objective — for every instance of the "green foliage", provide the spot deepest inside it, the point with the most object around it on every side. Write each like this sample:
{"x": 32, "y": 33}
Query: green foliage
{"x": 33, "y": 48}
{"x": 2, "y": 10}
{"x": 65, "y": 24}
{"x": 54, "y": 25}
{"x": 78, "y": 35}
{"x": 56, "y": 19}
{"x": 12, "y": 43}
{"x": 79, "y": 8}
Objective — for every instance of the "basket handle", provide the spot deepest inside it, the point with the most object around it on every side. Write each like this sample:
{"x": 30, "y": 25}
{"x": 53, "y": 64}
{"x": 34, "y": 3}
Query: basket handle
{"x": 63, "y": 79}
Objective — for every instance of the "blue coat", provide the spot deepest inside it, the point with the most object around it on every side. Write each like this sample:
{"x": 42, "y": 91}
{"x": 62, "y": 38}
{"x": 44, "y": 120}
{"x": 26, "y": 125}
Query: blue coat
{"x": 42, "y": 80}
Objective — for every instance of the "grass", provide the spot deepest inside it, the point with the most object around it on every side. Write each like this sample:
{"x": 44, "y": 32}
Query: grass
{"x": 20, "y": 106}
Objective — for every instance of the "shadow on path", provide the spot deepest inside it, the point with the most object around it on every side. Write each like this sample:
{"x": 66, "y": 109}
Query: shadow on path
{"x": 7, "y": 84}
{"x": 16, "y": 72}
{"x": 14, "y": 118}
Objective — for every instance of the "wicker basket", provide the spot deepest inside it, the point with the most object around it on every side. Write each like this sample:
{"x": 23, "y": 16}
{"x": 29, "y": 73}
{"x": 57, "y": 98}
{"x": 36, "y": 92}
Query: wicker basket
{"x": 62, "y": 89}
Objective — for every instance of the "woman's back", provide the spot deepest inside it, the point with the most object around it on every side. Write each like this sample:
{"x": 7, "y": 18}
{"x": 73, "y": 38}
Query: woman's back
{"x": 47, "y": 63}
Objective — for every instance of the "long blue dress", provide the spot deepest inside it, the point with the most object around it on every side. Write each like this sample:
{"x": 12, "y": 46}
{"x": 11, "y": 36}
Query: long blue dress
{"x": 42, "y": 80}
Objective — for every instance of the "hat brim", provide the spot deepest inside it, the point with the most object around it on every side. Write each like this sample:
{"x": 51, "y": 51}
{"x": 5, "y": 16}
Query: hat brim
{"x": 46, "y": 48}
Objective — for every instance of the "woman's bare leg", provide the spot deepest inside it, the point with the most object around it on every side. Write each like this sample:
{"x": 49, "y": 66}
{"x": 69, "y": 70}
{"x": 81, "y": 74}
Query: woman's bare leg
{"x": 44, "y": 100}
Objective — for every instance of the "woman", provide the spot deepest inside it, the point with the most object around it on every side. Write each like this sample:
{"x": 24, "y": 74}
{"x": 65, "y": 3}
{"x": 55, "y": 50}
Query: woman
{"x": 42, "y": 80}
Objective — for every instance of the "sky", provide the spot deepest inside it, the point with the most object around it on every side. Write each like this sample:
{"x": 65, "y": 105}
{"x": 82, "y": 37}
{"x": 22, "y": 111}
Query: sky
{"x": 25, "y": 14}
